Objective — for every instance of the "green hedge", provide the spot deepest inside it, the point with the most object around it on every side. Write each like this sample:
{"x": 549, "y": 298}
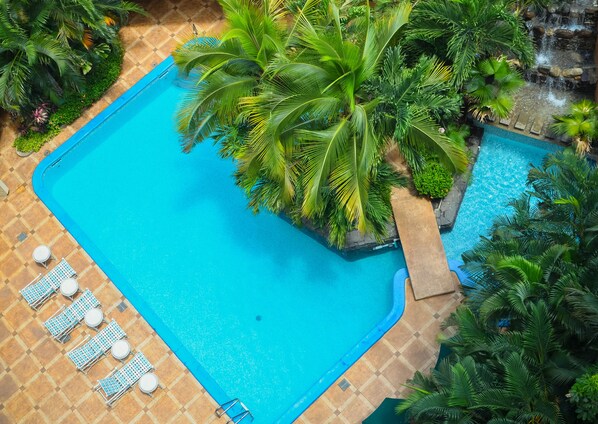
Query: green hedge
{"x": 434, "y": 181}
{"x": 101, "y": 77}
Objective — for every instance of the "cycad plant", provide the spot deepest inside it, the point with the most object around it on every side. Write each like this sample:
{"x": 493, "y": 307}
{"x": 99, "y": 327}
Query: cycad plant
{"x": 491, "y": 87}
{"x": 580, "y": 124}
{"x": 530, "y": 324}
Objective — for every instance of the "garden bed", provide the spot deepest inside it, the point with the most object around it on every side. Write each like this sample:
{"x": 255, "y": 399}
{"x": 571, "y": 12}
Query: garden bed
{"x": 446, "y": 210}
{"x": 102, "y": 76}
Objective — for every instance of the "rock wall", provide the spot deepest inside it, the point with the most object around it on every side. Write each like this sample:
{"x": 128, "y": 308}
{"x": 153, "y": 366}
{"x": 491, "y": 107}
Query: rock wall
{"x": 566, "y": 41}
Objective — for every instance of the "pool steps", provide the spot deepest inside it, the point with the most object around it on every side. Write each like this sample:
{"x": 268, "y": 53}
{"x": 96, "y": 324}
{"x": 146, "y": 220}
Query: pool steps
{"x": 237, "y": 414}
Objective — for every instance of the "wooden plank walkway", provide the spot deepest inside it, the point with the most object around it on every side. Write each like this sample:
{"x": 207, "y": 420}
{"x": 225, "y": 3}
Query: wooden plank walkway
{"x": 420, "y": 238}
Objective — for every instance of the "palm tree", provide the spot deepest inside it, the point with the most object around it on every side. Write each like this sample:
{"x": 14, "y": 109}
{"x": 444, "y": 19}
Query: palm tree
{"x": 496, "y": 376}
{"x": 327, "y": 98}
{"x": 545, "y": 250}
{"x": 315, "y": 98}
{"x": 581, "y": 124}
{"x": 230, "y": 69}
{"x": 464, "y": 32}
{"x": 528, "y": 328}
{"x": 505, "y": 391}
{"x": 412, "y": 100}
{"x": 490, "y": 88}
{"x": 290, "y": 101}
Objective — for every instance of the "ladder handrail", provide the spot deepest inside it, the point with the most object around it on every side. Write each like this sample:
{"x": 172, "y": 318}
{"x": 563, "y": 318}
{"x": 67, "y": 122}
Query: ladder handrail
{"x": 225, "y": 407}
{"x": 235, "y": 419}
{"x": 241, "y": 417}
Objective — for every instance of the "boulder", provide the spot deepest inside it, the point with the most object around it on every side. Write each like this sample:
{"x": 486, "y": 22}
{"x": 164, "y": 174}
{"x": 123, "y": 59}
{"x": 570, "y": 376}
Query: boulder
{"x": 572, "y": 72}
{"x": 575, "y": 57}
{"x": 555, "y": 71}
{"x": 589, "y": 76}
{"x": 538, "y": 30}
{"x": 564, "y": 33}
{"x": 515, "y": 63}
{"x": 543, "y": 69}
{"x": 584, "y": 33}
{"x": 565, "y": 9}
{"x": 529, "y": 15}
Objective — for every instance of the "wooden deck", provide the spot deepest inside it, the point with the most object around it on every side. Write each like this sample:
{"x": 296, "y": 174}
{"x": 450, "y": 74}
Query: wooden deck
{"x": 420, "y": 238}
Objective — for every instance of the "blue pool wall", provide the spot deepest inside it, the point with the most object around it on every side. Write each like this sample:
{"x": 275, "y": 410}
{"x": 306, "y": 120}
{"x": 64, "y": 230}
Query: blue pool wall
{"x": 154, "y": 321}
{"x": 521, "y": 138}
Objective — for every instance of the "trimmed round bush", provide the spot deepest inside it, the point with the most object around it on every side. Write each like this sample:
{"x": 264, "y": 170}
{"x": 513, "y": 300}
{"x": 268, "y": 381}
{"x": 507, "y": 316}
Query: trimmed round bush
{"x": 434, "y": 181}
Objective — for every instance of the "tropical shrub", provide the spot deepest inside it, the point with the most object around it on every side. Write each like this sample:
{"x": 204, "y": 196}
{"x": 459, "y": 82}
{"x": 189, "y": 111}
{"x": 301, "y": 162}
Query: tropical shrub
{"x": 528, "y": 329}
{"x": 434, "y": 180}
{"x": 299, "y": 104}
{"x": 411, "y": 101}
{"x": 491, "y": 87}
{"x": 581, "y": 124}
{"x": 96, "y": 83}
{"x": 464, "y": 32}
{"x": 458, "y": 133}
{"x": 584, "y": 395}
{"x": 48, "y": 46}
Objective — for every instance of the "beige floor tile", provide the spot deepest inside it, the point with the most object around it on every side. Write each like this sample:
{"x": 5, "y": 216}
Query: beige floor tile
{"x": 38, "y": 384}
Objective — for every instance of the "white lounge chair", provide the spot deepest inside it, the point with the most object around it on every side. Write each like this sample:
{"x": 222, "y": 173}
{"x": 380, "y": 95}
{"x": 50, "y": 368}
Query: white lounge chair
{"x": 41, "y": 288}
{"x": 67, "y": 318}
{"x": 116, "y": 384}
{"x": 89, "y": 351}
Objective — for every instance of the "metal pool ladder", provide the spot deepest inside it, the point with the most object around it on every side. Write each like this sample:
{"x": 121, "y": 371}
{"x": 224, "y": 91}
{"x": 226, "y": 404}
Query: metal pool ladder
{"x": 234, "y": 419}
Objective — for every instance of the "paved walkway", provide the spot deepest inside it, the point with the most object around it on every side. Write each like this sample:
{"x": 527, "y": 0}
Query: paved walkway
{"x": 420, "y": 239}
{"x": 535, "y": 104}
{"x": 37, "y": 382}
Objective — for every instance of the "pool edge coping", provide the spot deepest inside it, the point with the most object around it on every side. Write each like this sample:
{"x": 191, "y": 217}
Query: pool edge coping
{"x": 155, "y": 322}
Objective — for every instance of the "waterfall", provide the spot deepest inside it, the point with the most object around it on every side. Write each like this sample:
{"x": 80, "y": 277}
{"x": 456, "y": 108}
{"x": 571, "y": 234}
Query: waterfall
{"x": 555, "y": 91}
{"x": 546, "y": 48}
{"x": 564, "y": 72}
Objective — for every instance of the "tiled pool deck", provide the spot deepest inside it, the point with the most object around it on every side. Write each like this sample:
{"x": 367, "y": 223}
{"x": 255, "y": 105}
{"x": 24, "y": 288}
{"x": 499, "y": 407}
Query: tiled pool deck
{"x": 38, "y": 384}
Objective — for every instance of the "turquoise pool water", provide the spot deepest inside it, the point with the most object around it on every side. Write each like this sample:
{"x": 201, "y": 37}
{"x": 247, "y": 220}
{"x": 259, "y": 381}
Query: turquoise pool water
{"x": 257, "y": 309}
{"x": 499, "y": 175}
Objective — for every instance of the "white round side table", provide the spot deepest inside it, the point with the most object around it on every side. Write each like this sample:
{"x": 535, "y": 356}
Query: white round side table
{"x": 94, "y": 317}
{"x": 69, "y": 287}
{"x": 120, "y": 349}
{"x": 42, "y": 254}
{"x": 148, "y": 383}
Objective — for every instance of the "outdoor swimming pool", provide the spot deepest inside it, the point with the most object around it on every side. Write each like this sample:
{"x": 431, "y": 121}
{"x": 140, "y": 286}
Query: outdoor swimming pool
{"x": 499, "y": 175}
{"x": 256, "y": 309}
